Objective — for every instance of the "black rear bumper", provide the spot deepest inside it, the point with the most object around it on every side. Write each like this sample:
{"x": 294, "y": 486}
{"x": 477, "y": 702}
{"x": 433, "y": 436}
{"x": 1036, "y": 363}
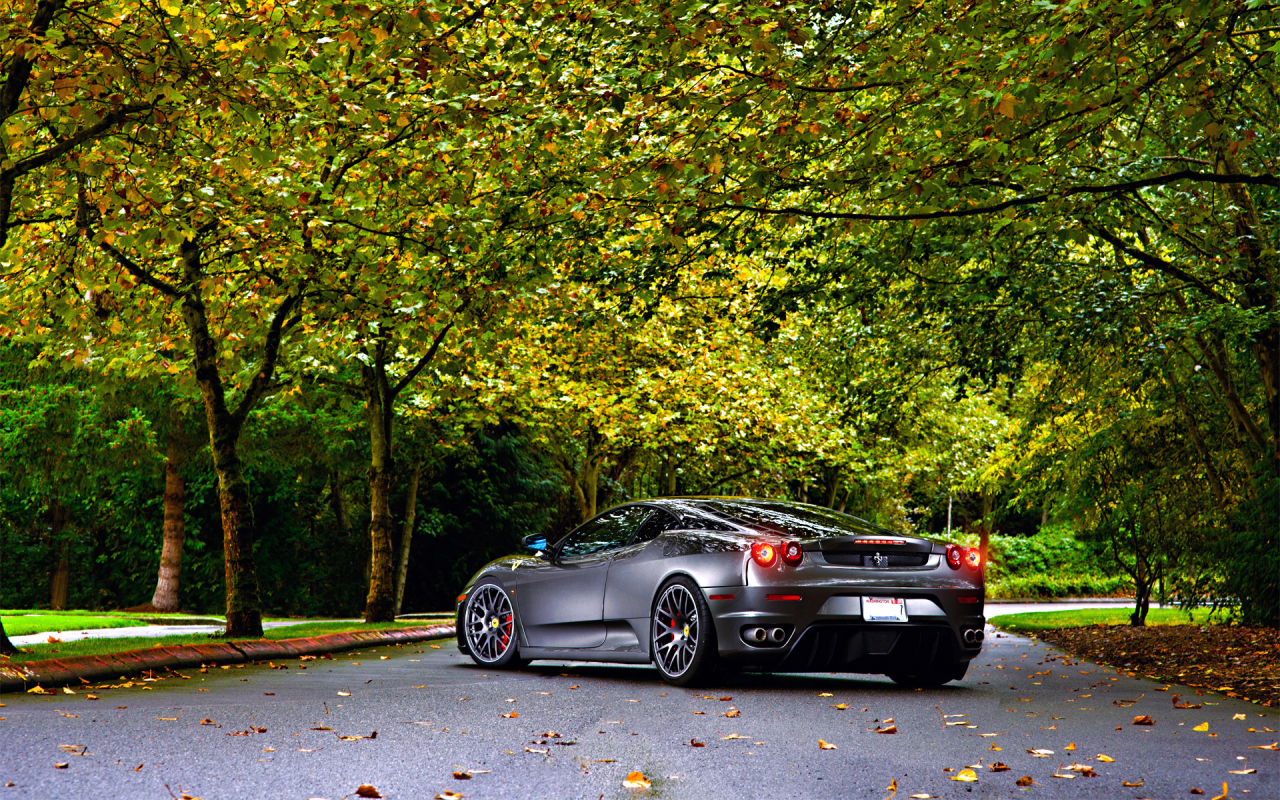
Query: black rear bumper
{"x": 873, "y": 648}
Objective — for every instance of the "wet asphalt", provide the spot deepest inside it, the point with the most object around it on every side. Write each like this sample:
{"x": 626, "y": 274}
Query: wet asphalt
{"x": 281, "y": 731}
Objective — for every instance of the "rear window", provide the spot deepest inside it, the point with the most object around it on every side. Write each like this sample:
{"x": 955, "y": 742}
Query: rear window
{"x": 792, "y": 519}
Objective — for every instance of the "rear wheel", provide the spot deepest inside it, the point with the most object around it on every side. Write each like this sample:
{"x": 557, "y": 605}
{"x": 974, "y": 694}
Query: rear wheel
{"x": 489, "y": 624}
{"x": 683, "y": 636}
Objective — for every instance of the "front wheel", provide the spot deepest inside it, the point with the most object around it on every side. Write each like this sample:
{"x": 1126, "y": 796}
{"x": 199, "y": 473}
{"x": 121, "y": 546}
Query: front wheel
{"x": 489, "y": 624}
{"x": 683, "y": 635}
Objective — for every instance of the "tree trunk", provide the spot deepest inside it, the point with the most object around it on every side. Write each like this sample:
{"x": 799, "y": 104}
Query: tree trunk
{"x": 60, "y": 580}
{"x": 244, "y": 616}
{"x": 406, "y": 534}
{"x": 380, "y": 604}
{"x": 6, "y": 646}
{"x": 174, "y": 532}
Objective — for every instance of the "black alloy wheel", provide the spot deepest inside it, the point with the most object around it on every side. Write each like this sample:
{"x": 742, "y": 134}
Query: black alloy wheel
{"x": 683, "y": 637}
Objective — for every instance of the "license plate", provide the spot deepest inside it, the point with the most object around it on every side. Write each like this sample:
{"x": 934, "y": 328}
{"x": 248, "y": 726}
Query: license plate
{"x": 884, "y": 609}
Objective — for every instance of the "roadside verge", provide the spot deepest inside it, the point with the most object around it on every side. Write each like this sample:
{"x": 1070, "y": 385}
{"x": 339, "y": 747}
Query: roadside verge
{"x": 59, "y": 671}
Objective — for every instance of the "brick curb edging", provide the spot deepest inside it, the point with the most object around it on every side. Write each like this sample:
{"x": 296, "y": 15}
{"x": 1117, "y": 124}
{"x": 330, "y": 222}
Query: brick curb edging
{"x": 56, "y": 671}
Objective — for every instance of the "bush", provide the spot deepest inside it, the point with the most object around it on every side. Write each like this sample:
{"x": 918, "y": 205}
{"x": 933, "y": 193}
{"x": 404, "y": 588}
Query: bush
{"x": 1051, "y": 563}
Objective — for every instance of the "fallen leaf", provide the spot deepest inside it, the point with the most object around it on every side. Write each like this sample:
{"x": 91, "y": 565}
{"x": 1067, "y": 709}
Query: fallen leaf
{"x": 68, "y": 690}
{"x": 168, "y": 719}
{"x": 636, "y": 780}
{"x": 1071, "y": 746}
{"x": 1223, "y": 796}
{"x": 1202, "y": 727}
{"x": 466, "y": 776}
{"x": 1197, "y": 791}
{"x": 90, "y": 697}
{"x": 1242, "y": 771}
{"x": 725, "y": 699}
{"x": 825, "y": 745}
{"x": 921, "y": 796}
{"x": 61, "y": 765}
{"x": 1104, "y": 758}
{"x": 1238, "y": 716}
{"x": 1083, "y": 769}
{"x": 348, "y": 694}
{"x": 1025, "y": 780}
{"x": 890, "y": 729}
{"x": 1040, "y": 753}
{"x": 998, "y": 767}
{"x": 840, "y": 706}
{"x": 1143, "y": 719}
{"x": 966, "y": 775}
{"x": 1272, "y": 746}
{"x": 435, "y": 647}
{"x": 696, "y": 743}
{"x": 1136, "y": 783}
{"x": 825, "y": 694}
{"x": 207, "y": 721}
{"x": 738, "y": 736}
{"x": 535, "y": 750}
{"x": 448, "y": 795}
{"x": 512, "y": 715}
{"x": 893, "y": 785}
{"x": 367, "y": 790}
{"x": 734, "y": 713}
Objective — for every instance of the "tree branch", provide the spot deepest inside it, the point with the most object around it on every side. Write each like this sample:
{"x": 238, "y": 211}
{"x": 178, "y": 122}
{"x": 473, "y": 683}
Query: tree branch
{"x": 262, "y": 382}
{"x": 1156, "y": 263}
{"x": 422, "y": 362}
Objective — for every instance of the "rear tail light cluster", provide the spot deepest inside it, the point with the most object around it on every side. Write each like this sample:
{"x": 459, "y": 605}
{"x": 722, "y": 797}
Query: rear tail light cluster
{"x": 766, "y": 554}
{"x": 958, "y": 556}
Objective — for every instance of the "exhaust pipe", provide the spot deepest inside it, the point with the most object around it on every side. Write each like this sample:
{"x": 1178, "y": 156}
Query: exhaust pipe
{"x": 755, "y": 634}
{"x": 973, "y": 636}
{"x": 777, "y": 635}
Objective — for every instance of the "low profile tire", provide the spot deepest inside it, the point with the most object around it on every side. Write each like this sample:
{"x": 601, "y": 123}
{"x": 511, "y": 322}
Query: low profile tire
{"x": 682, "y": 635}
{"x": 489, "y": 626}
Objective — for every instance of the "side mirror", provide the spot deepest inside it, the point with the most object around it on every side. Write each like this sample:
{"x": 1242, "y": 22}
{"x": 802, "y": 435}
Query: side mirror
{"x": 538, "y": 542}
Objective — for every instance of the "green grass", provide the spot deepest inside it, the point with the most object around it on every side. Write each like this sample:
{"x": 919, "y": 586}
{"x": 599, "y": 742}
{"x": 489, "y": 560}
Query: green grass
{"x": 1033, "y": 621}
{"x": 58, "y": 621}
{"x": 98, "y": 647}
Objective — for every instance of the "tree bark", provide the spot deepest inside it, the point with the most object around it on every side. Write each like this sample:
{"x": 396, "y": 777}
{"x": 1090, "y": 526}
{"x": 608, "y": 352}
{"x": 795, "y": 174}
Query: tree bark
{"x": 169, "y": 579}
{"x": 380, "y": 603}
{"x": 406, "y": 534}
{"x": 6, "y": 646}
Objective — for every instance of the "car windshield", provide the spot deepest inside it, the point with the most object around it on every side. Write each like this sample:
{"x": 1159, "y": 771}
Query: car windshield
{"x": 794, "y": 519}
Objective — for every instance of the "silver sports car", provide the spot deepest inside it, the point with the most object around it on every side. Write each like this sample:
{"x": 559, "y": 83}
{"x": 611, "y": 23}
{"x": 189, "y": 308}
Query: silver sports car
{"x": 693, "y": 584}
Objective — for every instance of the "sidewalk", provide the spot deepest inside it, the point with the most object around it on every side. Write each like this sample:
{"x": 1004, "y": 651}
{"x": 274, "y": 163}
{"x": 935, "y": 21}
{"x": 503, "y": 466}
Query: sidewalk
{"x": 55, "y": 671}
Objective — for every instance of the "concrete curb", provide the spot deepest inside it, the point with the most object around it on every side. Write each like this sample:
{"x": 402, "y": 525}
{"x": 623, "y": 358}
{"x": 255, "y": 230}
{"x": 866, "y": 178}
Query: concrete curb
{"x": 57, "y": 671}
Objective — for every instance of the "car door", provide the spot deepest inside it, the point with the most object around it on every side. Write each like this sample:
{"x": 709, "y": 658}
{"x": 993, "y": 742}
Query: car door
{"x": 561, "y": 601}
{"x": 634, "y": 572}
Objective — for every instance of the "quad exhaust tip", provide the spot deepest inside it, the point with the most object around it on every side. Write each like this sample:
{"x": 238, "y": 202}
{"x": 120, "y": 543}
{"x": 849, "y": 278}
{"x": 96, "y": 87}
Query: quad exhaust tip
{"x": 777, "y": 635}
{"x": 756, "y": 635}
{"x": 973, "y": 635}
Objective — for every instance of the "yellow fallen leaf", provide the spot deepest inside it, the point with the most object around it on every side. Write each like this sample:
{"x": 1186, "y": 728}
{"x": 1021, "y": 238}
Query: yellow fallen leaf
{"x": 1136, "y": 783}
{"x": 735, "y": 736}
{"x": 1238, "y": 716}
{"x": 348, "y": 694}
{"x": 825, "y": 745}
{"x": 825, "y": 694}
{"x": 67, "y": 690}
{"x": 1272, "y": 746}
{"x": 367, "y": 790}
{"x": 890, "y": 729}
{"x": 1223, "y": 796}
{"x": 1104, "y": 758}
{"x": 636, "y": 780}
{"x": 966, "y": 775}
{"x": 734, "y": 713}
{"x": 1203, "y": 726}
{"x": 840, "y": 706}
{"x": 1243, "y": 771}
{"x": 1040, "y": 753}
{"x": 1071, "y": 746}
{"x": 61, "y": 765}
{"x": 921, "y": 796}
{"x": 449, "y": 795}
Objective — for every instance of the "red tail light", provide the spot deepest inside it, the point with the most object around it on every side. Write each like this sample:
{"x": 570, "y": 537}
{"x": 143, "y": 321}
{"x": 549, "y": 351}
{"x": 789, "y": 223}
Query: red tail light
{"x": 955, "y": 555}
{"x": 764, "y": 554}
{"x": 792, "y": 553}
{"x": 973, "y": 558}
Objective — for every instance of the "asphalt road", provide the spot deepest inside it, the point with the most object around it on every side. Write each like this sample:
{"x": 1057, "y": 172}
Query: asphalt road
{"x": 260, "y": 732}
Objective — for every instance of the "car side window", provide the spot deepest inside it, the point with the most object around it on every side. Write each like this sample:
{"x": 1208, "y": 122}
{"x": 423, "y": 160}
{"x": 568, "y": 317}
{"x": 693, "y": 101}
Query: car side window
{"x": 655, "y": 525}
{"x": 609, "y": 530}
